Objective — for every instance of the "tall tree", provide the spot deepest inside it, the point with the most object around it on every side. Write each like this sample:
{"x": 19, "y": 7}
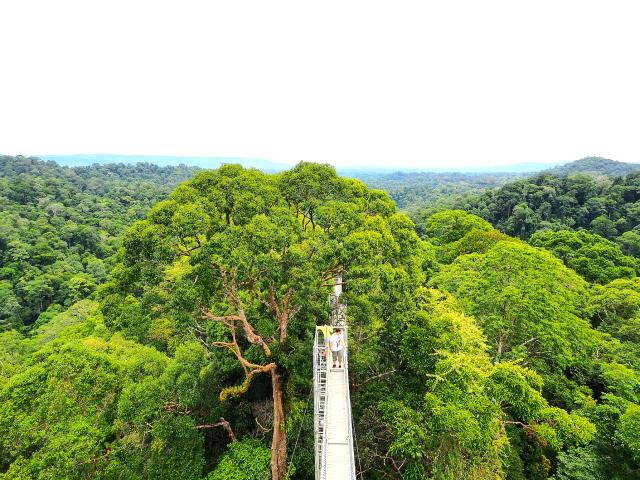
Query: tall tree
{"x": 251, "y": 276}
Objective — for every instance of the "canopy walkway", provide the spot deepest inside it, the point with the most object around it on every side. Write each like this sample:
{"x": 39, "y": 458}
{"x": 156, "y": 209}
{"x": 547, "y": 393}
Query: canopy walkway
{"x": 332, "y": 405}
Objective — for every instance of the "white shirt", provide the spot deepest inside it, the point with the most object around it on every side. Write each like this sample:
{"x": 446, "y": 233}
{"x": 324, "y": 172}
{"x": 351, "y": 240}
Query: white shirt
{"x": 336, "y": 342}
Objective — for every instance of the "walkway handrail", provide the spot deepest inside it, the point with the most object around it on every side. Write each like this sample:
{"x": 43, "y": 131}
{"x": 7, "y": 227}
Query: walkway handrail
{"x": 346, "y": 379}
{"x": 321, "y": 396}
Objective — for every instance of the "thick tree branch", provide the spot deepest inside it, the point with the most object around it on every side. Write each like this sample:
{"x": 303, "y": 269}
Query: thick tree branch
{"x": 224, "y": 318}
{"x": 231, "y": 291}
{"x": 221, "y": 423}
{"x": 283, "y": 313}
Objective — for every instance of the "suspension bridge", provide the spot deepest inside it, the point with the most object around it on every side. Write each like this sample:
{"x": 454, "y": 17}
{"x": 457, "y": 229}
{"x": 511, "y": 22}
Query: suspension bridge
{"x": 333, "y": 428}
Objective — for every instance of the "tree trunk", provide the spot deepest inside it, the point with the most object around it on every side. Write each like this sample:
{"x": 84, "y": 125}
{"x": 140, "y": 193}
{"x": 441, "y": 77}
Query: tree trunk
{"x": 279, "y": 443}
{"x": 283, "y": 321}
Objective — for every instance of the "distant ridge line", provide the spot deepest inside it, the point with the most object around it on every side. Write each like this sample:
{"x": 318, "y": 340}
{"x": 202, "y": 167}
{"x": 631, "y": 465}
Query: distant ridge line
{"x": 77, "y": 160}
{"x": 593, "y": 165}
{"x": 86, "y": 159}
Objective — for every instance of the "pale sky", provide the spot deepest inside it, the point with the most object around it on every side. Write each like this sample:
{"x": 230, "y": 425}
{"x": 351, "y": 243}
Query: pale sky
{"x": 396, "y": 83}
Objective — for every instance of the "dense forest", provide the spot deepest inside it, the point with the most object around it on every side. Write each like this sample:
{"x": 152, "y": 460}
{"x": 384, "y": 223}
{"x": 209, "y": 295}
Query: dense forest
{"x": 411, "y": 190}
{"x": 595, "y": 166}
{"x": 420, "y": 194}
{"x": 605, "y": 204}
{"x": 59, "y": 228}
{"x": 481, "y": 347}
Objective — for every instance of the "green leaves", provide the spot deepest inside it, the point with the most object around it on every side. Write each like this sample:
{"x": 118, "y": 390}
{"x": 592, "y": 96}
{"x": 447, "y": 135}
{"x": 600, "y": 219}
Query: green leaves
{"x": 460, "y": 429}
{"x": 521, "y": 296}
{"x": 560, "y": 428}
{"x": 474, "y": 241}
{"x": 517, "y": 389}
{"x": 60, "y": 225}
{"x": 410, "y": 437}
{"x": 622, "y": 381}
{"x": 244, "y": 460}
{"x": 595, "y": 258}
{"x": 629, "y": 430}
{"x": 533, "y": 311}
{"x": 233, "y": 193}
{"x": 492, "y": 372}
{"x": 451, "y": 225}
{"x": 83, "y": 408}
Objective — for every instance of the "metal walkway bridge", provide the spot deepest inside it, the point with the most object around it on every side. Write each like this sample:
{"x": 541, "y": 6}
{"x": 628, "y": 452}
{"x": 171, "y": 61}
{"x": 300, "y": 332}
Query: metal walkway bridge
{"x": 332, "y": 405}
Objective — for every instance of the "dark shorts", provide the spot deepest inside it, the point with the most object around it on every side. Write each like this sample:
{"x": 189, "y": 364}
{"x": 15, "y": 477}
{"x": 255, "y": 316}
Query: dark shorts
{"x": 337, "y": 356}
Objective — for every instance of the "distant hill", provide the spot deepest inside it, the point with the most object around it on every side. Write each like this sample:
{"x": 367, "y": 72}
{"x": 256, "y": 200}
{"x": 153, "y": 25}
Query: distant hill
{"x": 589, "y": 165}
{"x": 163, "y": 160}
{"x": 74, "y": 160}
{"x": 514, "y": 168}
{"x": 595, "y": 165}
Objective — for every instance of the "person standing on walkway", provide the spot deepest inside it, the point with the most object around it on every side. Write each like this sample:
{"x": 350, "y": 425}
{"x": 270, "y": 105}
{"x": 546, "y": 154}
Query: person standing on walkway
{"x": 336, "y": 344}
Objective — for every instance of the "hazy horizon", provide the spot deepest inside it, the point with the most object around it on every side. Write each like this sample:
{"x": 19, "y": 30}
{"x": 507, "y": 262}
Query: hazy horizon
{"x": 84, "y": 159}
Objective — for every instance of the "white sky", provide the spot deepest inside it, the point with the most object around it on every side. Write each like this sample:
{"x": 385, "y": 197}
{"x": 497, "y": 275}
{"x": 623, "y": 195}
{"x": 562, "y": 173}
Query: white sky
{"x": 422, "y": 84}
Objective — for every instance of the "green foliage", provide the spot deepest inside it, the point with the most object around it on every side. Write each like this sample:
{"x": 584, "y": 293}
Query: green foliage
{"x": 59, "y": 228}
{"x": 451, "y": 225}
{"x": 475, "y": 241}
{"x": 614, "y": 307}
{"x": 510, "y": 366}
{"x": 9, "y": 307}
{"x": 592, "y": 256}
{"x": 615, "y": 310}
{"x": 622, "y": 381}
{"x": 579, "y": 464}
{"x": 411, "y": 191}
{"x": 459, "y": 430}
{"x": 603, "y": 226}
{"x": 454, "y": 431}
{"x": 525, "y": 300}
{"x": 630, "y": 243}
{"x": 244, "y": 460}
{"x": 83, "y": 406}
{"x": 610, "y": 448}
{"x": 606, "y": 206}
{"x": 12, "y": 351}
{"x": 309, "y": 185}
{"x": 241, "y": 244}
{"x": 595, "y": 165}
{"x": 629, "y": 431}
